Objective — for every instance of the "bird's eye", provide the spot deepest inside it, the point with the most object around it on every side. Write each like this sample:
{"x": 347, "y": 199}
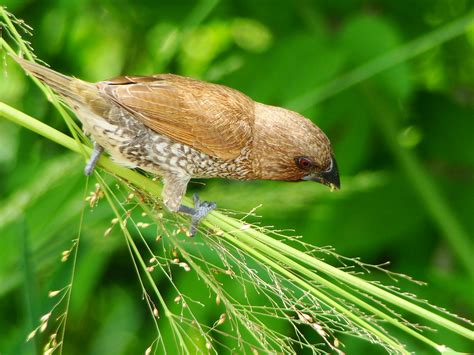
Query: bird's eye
{"x": 304, "y": 163}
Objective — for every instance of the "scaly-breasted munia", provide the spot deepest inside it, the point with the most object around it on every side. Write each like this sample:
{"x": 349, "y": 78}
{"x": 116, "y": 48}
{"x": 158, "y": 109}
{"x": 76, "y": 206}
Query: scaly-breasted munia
{"x": 181, "y": 128}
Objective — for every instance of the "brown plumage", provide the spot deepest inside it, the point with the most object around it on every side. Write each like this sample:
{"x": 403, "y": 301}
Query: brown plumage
{"x": 181, "y": 128}
{"x": 214, "y": 119}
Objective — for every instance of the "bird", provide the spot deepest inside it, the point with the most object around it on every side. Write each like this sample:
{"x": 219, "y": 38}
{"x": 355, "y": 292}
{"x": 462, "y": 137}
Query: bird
{"x": 181, "y": 128}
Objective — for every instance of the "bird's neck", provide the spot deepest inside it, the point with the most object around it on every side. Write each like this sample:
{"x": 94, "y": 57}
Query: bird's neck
{"x": 271, "y": 145}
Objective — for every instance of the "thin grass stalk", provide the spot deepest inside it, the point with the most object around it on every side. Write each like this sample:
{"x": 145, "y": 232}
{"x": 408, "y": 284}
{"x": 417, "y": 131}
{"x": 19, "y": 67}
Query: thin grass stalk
{"x": 138, "y": 256}
{"x": 347, "y": 278}
{"x": 276, "y": 255}
{"x": 244, "y": 243}
{"x": 63, "y": 324}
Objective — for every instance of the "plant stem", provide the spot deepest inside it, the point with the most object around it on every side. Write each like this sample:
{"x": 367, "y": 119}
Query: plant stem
{"x": 136, "y": 253}
{"x": 350, "y": 279}
{"x": 253, "y": 244}
{"x": 245, "y": 243}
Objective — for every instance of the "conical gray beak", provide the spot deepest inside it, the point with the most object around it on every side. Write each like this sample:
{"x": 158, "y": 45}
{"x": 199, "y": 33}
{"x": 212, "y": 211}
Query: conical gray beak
{"x": 329, "y": 177}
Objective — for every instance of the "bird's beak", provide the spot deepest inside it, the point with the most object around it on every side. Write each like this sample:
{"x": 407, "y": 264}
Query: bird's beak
{"x": 329, "y": 177}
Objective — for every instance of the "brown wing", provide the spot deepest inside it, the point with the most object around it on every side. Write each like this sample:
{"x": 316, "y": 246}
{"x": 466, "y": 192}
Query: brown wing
{"x": 214, "y": 119}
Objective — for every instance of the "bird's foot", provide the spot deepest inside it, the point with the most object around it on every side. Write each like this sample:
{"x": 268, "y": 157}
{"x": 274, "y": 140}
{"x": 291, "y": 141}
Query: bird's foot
{"x": 95, "y": 156}
{"x": 201, "y": 209}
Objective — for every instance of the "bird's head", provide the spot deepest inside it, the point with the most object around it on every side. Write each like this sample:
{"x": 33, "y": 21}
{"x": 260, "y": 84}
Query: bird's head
{"x": 289, "y": 147}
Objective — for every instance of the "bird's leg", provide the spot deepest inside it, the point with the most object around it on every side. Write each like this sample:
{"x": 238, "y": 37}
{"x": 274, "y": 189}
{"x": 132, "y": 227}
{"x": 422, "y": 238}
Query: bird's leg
{"x": 174, "y": 188}
{"x": 96, "y": 153}
{"x": 201, "y": 209}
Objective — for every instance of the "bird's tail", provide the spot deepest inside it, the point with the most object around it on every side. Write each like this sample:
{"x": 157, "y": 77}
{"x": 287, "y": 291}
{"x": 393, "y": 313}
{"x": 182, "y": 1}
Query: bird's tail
{"x": 66, "y": 86}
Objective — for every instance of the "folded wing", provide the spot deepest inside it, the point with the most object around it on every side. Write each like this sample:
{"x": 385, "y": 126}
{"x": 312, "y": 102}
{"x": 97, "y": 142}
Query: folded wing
{"x": 211, "y": 118}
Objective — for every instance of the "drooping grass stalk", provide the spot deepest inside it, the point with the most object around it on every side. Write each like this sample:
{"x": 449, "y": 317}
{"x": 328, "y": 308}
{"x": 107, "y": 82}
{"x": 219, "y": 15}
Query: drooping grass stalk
{"x": 137, "y": 256}
{"x": 253, "y": 239}
{"x": 244, "y": 243}
{"x": 276, "y": 254}
{"x": 230, "y": 307}
{"x": 347, "y": 278}
{"x": 63, "y": 324}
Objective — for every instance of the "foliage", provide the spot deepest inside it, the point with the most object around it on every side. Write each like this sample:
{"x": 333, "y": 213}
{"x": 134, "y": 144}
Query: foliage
{"x": 398, "y": 112}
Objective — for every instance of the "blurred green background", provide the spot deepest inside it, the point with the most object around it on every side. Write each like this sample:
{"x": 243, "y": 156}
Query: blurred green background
{"x": 403, "y": 140}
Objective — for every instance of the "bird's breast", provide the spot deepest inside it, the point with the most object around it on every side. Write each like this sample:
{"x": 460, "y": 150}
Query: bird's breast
{"x": 239, "y": 168}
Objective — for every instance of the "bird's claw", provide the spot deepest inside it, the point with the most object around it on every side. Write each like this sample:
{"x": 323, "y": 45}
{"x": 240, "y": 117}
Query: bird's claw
{"x": 95, "y": 156}
{"x": 201, "y": 209}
